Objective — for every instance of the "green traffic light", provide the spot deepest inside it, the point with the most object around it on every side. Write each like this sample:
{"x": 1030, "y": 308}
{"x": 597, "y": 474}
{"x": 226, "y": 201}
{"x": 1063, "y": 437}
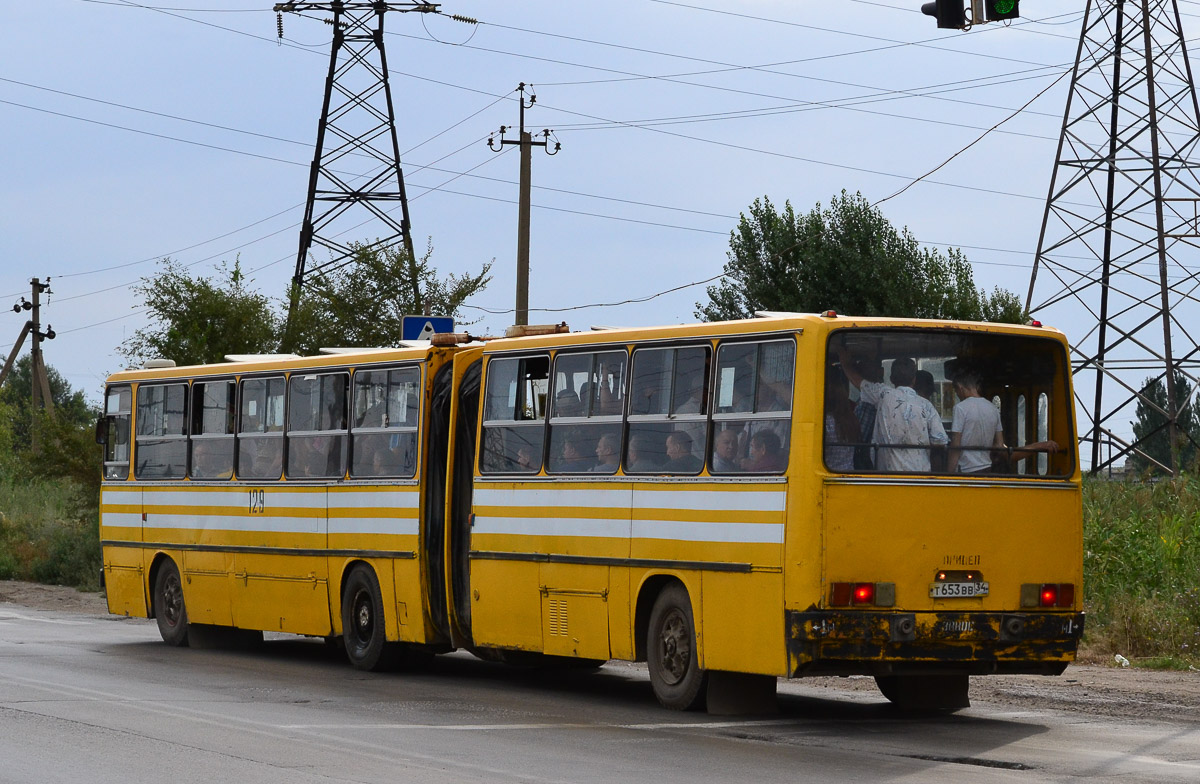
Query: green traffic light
{"x": 1005, "y": 6}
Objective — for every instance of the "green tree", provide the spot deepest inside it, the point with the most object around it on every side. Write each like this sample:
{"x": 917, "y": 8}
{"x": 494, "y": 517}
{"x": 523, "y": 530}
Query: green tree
{"x": 196, "y": 320}
{"x": 849, "y": 258}
{"x": 1150, "y": 425}
{"x": 362, "y": 304}
{"x": 70, "y": 405}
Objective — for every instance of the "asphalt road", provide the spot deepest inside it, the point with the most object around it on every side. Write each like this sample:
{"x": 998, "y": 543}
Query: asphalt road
{"x": 87, "y": 699}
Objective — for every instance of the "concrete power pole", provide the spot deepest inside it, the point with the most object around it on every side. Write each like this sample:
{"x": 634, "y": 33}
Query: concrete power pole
{"x": 527, "y": 143}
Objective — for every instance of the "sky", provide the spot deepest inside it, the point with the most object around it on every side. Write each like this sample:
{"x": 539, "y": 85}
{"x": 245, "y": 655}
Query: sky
{"x": 134, "y": 131}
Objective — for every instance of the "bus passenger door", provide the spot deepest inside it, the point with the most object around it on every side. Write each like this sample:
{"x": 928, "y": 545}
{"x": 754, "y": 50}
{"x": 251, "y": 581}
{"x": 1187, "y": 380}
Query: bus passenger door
{"x": 121, "y": 535}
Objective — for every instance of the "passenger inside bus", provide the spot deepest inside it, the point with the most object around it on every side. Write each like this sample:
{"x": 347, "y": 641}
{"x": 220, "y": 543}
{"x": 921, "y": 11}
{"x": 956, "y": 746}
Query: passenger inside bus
{"x": 640, "y": 457}
{"x": 608, "y": 454}
{"x": 766, "y": 454}
{"x": 977, "y": 434}
{"x": 725, "y": 458}
{"x": 870, "y": 368}
{"x": 680, "y": 459}
{"x": 906, "y": 424}
{"x": 841, "y": 424}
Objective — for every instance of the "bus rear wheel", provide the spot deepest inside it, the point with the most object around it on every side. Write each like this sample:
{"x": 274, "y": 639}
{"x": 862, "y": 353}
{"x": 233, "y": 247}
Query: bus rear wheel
{"x": 926, "y": 693}
{"x": 169, "y": 609}
{"x": 362, "y": 620}
{"x": 675, "y": 674}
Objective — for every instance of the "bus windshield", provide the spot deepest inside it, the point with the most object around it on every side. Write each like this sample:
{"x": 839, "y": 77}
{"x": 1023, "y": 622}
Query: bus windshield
{"x": 947, "y": 402}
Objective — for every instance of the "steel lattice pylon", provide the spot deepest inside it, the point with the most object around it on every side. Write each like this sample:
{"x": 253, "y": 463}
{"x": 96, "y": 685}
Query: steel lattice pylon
{"x": 1119, "y": 240}
{"x": 355, "y": 170}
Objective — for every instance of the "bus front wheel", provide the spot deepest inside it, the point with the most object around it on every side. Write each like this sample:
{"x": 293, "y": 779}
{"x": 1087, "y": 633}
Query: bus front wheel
{"x": 169, "y": 609}
{"x": 675, "y": 675}
{"x": 362, "y": 620}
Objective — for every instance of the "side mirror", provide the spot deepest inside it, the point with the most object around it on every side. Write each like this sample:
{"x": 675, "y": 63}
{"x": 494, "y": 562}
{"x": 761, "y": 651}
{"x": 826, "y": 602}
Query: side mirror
{"x": 102, "y": 430}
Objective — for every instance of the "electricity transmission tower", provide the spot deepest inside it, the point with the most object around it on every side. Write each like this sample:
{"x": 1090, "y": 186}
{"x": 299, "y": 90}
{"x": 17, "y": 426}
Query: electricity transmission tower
{"x": 355, "y": 170}
{"x": 1119, "y": 242}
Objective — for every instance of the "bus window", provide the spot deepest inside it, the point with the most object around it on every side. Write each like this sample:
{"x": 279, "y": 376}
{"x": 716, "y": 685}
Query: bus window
{"x": 161, "y": 432}
{"x": 752, "y": 421}
{"x": 260, "y": 429}
{"x": 514, "y": 415}
{"x": 985, "y": 423}
{"x": 316, "y": 433}
{"x": 212, "y": 443}
{"x": 585, "y": 417}
{"x": 386, "y": 409}
{"x": 118, "y": 407}
{"x": 668, "y": 411}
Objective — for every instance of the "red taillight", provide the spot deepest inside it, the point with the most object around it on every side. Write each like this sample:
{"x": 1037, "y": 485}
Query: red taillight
{"x": 864, "y": 593}
{"x": 839, "y": 594}
{"x": 856, "y": 594}
{"x": 1049, "y": 595}
{"x": 1066, "y": 595}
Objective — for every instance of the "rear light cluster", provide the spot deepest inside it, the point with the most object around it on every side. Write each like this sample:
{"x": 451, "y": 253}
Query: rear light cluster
{"x": 862, "y": 595}
{"x": 1048, "y": 595}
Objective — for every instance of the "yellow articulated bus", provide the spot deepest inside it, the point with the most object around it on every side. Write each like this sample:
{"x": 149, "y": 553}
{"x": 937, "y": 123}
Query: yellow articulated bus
{"x": 730, "y": 502}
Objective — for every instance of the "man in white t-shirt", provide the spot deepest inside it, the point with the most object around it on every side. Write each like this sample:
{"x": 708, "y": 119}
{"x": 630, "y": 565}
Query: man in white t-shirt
{"x": 976, "y": 428}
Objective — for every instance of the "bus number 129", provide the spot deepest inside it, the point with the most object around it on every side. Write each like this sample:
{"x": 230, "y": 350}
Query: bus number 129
{"x": 258, "y": 501}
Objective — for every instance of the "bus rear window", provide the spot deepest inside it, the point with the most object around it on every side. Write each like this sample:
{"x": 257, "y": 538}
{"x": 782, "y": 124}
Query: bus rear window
{"x": 945, "y": 402}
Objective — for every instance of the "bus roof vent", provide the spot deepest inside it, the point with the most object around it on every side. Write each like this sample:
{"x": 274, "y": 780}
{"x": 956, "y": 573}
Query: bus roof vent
{"x": 349, "y": 350}
{"x": 764, "y": 314}
{"x": 528, "y": 330}
{"x": 258, "y": 357}
{"x": 157, "y": 364}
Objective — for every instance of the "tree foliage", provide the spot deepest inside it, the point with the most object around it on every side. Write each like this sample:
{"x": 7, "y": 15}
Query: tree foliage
{"x": 196, "y": 320}
{"x": 1150, "y": 426}
{"x": 71, "y": 407}
{"x": 849, "y": 258}
{"x": 363, "y": 303}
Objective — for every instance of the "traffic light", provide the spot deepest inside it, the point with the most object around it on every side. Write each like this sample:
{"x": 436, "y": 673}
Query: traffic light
{"x": 998, "y": 10}
{"x": 952, "y": 14}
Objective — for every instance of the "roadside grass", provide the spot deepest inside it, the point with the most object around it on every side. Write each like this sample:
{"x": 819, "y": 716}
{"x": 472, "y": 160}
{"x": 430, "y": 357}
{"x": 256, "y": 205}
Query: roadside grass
{"x": 1142, "y": 571}
{"x": 48, "y": 533}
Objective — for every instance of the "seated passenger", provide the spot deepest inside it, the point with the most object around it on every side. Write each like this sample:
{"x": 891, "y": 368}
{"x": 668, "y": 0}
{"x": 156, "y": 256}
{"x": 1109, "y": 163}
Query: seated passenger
{"x": 608, "y": 454}
{"x": 574, "y": 458}
{"x": 766, "y": 454}
{"x": 680, "y": 459}
{"x": 725, "y": 452}
{"x": 640, "y": 457}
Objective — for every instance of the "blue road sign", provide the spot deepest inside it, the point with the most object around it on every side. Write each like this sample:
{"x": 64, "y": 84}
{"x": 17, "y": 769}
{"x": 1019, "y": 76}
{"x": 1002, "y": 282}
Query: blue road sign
{"x": 424, "y": 327}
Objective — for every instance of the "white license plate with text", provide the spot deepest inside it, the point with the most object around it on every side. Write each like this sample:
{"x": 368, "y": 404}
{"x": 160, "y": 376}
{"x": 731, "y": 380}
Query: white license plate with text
{"x": 957, "y": 590}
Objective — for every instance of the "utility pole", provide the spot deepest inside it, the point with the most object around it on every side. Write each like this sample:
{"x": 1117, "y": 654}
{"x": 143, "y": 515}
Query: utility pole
{"x": 526, "y": 142}
{"x": 39, "y": 382}
{"x": 38, "y": 379}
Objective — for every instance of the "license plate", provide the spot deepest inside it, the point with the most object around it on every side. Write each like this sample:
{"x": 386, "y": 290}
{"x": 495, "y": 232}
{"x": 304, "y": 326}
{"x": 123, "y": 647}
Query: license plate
{"x": 957, "y": 590}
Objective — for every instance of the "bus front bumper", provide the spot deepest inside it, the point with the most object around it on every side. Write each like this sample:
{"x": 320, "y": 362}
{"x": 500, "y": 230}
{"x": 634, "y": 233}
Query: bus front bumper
{"x": 865, "y": 642}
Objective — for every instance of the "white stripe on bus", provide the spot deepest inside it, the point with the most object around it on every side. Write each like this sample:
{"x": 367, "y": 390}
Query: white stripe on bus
{"x": 723, "y": 500}
{"x": 677, "y": 530}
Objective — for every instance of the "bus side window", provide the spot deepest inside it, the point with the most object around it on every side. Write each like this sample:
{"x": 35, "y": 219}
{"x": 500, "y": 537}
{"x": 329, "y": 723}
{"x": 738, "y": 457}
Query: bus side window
{"x": 161, "y": 442}
{"x": 260, "y": 428}
{"x": 386, "y": 412}
{"x": 118, "y": 409}
{"x": 668, "y": 414}
{"x": 753, "y": 401}
{"x": 585, "y": 418}
{"x": 316, "y": 432}
{"x": 212, "y": 442}
{"x": 514, "y": 415}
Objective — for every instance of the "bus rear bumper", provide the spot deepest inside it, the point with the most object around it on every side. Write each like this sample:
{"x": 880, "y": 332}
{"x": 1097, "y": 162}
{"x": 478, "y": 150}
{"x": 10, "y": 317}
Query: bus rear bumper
{"x": 854, "y": 642}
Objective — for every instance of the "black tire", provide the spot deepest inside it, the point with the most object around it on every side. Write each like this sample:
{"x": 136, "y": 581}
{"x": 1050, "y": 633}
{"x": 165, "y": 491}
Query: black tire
{"x": 169, "y": 608}
{"x": 675, "y": 675}
{"x": 362, "y": 620}
{"x": 926, "y": 693}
